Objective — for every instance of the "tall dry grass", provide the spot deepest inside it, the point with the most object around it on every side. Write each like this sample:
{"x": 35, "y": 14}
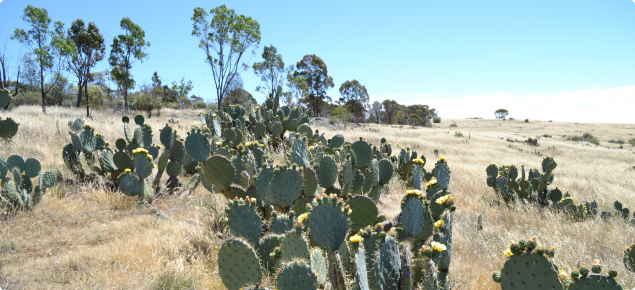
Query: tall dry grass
{"x": 83, "y": 237}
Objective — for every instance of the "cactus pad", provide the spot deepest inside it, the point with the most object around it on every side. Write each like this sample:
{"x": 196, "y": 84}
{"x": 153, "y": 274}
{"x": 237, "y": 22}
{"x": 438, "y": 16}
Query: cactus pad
{"x": 8, "y": 128}
{"x": 15, "y": 162}
{"x": 328, "y": 225}
{"x": 32, "y": 168}
{"x": 362, "y": 152}
{"x": 266, "y": 247}
{"x": 595, "y": 281}
{"x": 327, "y": 172}
{"x": 286, "y": 186}
{"x": 281, "y": 225}
{"x": 294, "y": 247}
{"x": 413, "y": 216}
{"x": 443, "y": 175}
{"x": 244, "y": 222}
{"x": 385, "y": 171}
{"x": 197, "y": 146}
{"x": 300, "y": 153}
{"x": 174, "y": 168}
{"x": 629, "y": 258}
{"x": 143, "y": 165}
{"x": 296, "y": 276}
{"x": 262, "y": 184}
{"x": 129, "y": 184}
{"x": 364, "y": 212}
{"x": 530, "y": 271}
{"x": 219, "y": 171}
{"x": 238, "y": 265}
{"x": 318, "y": 265}
{"x": 389, "y": 264}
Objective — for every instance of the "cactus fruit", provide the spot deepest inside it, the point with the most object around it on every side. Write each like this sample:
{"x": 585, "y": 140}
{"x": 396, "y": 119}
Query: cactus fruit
{"x": 238, "y": 265}
{"x": 296, "y": 275}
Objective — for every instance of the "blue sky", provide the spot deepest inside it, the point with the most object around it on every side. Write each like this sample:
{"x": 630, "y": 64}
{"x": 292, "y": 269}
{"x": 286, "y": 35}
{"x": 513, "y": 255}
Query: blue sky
{"x": 551, "y": 60}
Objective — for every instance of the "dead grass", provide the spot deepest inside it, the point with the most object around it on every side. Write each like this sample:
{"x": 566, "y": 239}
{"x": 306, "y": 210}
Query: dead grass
{"x": 81, "y": 237}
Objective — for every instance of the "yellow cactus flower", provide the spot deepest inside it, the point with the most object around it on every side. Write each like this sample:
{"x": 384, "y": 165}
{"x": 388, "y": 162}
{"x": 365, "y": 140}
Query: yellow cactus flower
{"x": 159, "y": 146}
{"x": 444, "y": 199}
{"x": 378, "y": 226}
{"x": 443, "y": 158}
{"x": 563, "y": 275}
{"x": 219, "y": 143}
{"x": 248, "y": 144}
{"x": 214, "y": 115}
{"x": 262, "y": 145}
{"x": 439, "y": 223}
{"x": 355, "y": 239}
{"x": 154, "y": 165}
{"x": 311, "y": 147}
{"x": 87, "y": 125}
{"x": 303, "y": 217}
{"x": 438, "y": 246}
{"x": 127, "y": 170}
{"x": 253, "y": 200}
{"x": 431, "y": 183}
{"x": 628, "y": 248}
{"x": 149, "y": 157}
{"x": 508, "y": 253}
{"x": 200, "y": 112}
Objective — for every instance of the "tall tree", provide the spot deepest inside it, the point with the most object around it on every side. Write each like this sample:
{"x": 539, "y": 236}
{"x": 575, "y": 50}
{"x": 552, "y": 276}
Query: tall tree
{"x": 501, "y": 114}
{"x": 296, "y": 86}
{"x": 126, "y": 49}
{"x": 225, "y": 38}
{"x": 89, "y": 48}
{"x": 271, "y": 70}
{"x": 355, "y": 98}
{"x": 182, "y": 90}
{"x": 43, "y": 43}
{"x": 375, "y": 111}
{"x": 315, "y": 73}
{"x": 391, "y": 107}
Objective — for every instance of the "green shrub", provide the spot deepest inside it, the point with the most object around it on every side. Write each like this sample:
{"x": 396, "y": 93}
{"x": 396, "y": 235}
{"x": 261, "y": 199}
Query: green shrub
{"x": 632, "y": 141}
{"x": 172, "y": 105}
{"x": 436, "y": 119}
{"x": 172, "y": 280}
{"x": 574, "y": 138}
{"x": 458, "y": 134}
{"x": 594, "y": 141}
{"x": 587, "y": 136}
{"x": 526, "y": 120}
{"x": 200, "y": 105}
{"x": 620, "y": 141}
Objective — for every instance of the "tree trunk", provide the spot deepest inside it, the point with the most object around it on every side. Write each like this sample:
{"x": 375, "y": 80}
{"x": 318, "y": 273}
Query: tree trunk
{"x": 87, "y": 103}
{"x": 79, "y": 92}
{"x": 42, "y": 88}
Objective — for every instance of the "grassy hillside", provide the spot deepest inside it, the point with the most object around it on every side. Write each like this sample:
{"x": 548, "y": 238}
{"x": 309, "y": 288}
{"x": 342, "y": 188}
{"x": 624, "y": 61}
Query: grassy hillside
{"x": 85, "y": 237}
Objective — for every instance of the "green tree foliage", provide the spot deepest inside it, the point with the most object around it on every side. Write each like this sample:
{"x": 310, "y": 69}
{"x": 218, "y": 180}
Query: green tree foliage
{"x": 391, "y": 107}
{"x": 241, "y": 97}
{"x": 88, "y": 48}
{"x": 355, "y": 98}
{"x": 314, "y": 73}
{"x": 342, "y": 114}
{"x": 225, "y": 38}
{"x": 43, "y": 43}
{"x": 501, "y": 114}
{"x": 376, "y": 111}
{"x": 182, "y": 90}
{"x": 126, "y": 49}
{"x": 271, "y": 70}
{"x": 146, "y": 100}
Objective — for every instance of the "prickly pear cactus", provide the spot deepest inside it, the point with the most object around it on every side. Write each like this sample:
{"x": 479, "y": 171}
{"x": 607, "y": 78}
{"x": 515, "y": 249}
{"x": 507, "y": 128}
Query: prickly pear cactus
{"x": 528, "y": 267}
{"x": 364, "y": 212}
{"x": 388, "y": 264}
{"x": 318, "y": 265}
{"x": 281, "y": 224}
{"x": 266, "y": 249}
{"x": 286, "y": 186}
{"x": 296, "y": 276}
{"x": 327, "y": 172}
{"x": 219, "y": 171}
{"x": 328, "y": 222}
{"x": 243, "y": 220}
{"x": 294, "y": 247}
{"x": 238, "y": 265}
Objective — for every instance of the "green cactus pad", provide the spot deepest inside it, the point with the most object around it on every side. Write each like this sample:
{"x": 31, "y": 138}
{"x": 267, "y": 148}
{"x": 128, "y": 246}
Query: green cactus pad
{"x": 235, "y": 192}
{"x": 318, "y": 265}
{"x": 266, "y": 247}
{"x": 327, "y": 172}
{"x": 443, "y": 175}
{"x": 120, "y": 144}
{"x": 361, "y": 273}
{"x": 15, "y": 162}
{"x": 244, "y": 222}
{"x": 286, "y": 186}
{"x": 262, "y": 184}
{"x": 197, "y": 146}
{"x": 362, "y": 152}
{"x": 11, "y": 190}
{"x": 300, "y": 205}
{"x": 276, "y": 128}
{"x": 296, "y": 276}
{"x": 238, "y": 265}
{"x": 129, "y": 184}
{"x": 530, "y": 271}
{"x": 143, "y": 165}
{"x": 32, "y": 168}
{"x": 5, "y": 97}
{"x": 595, "y": 281}
{"x": 122, "y": 160}
{"x": 88, "y": 140}
{"x": 364, "y": 212}
{"x": 328, "y": 225}
{"x": 177, "y": 152}
{"x": 337, "y": 141}
{"x": 629, "y": 258}
{"x": 310, "y": 181}
{"x": 4, "y": 168}
{"x": 282, "y": 224}
{"x": 8, "y": 128}
{"x": 305, "y": 129}
{"x": 77, "y": 142}
{"x": 106, "y": 160}
{"x": 385, "y": 171}
{"x": 413, "y": 216}
{"x": 174, "y": 168}
{"x": 219, "y": 171}
{"x": 51, "y": 177}
{"x": 138, "y": 119}
{"x": 300, "y": 153}
{"x": 260, "y": 129}
{"x": 167, "y": 136}
{"x": 294, "y": 247}
{"x": 388, "y": 264}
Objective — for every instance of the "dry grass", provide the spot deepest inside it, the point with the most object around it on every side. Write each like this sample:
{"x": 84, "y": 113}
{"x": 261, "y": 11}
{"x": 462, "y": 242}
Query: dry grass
{"x": 87, "y": 238}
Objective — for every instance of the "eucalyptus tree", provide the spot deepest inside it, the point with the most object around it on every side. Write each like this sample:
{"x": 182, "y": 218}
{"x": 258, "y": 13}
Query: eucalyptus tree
{"x": 271, "y": 70}
{"x": 313, "y": 72}
{"x": 225, "y": 37}
{"x": 355, "y": 98}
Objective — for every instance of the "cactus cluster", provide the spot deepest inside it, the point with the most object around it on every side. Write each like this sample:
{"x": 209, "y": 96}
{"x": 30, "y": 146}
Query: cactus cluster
{"x": 18, "y": 190}
{"x": 529, "y": 266}
{"x": 8, "y": 127}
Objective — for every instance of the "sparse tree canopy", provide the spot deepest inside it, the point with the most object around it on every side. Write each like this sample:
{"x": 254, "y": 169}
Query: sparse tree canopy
{"x": 391, "y": 107}
{"x": 36, "y": 39}
{"x": 355, "y": 98}
{"x": 88, "y": 49}
{"x": 501, "y": 114}
{"x": 225, "y": 38}
{"x": 126, "y": 49}
{"x": 376, "y": 111}
{"x": 314, "y": 73}
{"x": 270, "y": 70}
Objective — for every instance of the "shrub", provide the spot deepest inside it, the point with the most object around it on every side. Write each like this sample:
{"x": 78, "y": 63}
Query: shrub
{"x": 458, "y": 134}
{"x": 526, "y": 120}
{"x": 632, "y": 141}
{"x": 436, "y": 119}
{"x": 620, "y": 141}
{"x": 172, "y": 105}
{"x": 200, "y": 105}
{"x": 574, "y": 138}
{"x": 172, "y": 280}
{"x": 593, "y": 141}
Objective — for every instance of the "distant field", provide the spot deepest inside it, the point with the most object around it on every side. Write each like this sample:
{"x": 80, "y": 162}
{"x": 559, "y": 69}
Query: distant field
{"x": 81, "y": 237}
